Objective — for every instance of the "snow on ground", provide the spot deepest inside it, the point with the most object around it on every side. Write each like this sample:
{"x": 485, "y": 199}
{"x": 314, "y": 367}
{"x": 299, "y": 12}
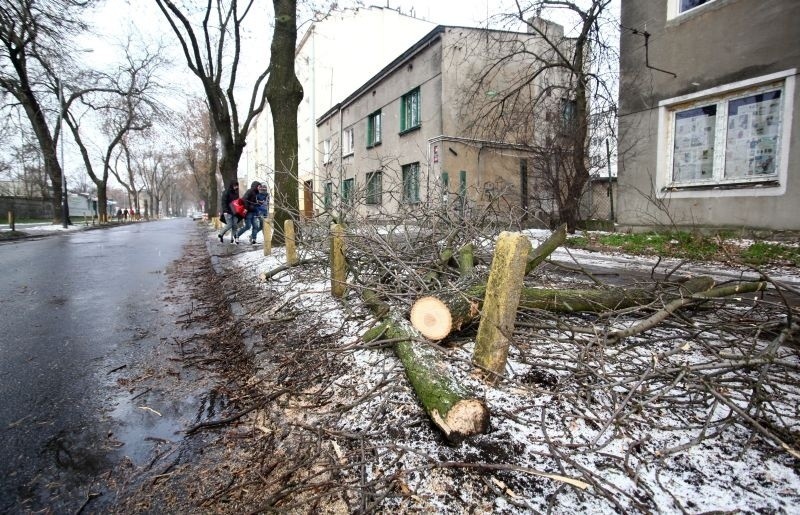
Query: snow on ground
{"x": 622, "y": 426}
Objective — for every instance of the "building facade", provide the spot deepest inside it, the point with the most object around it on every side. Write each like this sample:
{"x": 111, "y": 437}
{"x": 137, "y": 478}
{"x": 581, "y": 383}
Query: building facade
{"x": 418, "y": 134}
{"x": 708, "y": 132}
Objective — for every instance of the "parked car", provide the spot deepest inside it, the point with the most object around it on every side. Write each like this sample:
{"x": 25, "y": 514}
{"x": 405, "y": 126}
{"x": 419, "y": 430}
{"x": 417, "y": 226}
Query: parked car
{"x": 196, "y": 215}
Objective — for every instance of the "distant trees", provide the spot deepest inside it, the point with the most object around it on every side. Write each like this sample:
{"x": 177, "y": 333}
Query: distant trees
{"x": 122, "y": 104}
{"x": 196, "y": 140}
{"x": 211, "y": 40}
{"x": 35, "y": 59}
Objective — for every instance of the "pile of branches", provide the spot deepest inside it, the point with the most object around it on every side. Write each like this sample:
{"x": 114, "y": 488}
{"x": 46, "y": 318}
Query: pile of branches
{"x": 599, "y": 397}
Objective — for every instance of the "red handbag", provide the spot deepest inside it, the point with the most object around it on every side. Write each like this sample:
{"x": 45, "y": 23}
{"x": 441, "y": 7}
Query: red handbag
{"x": 238, "y": 208}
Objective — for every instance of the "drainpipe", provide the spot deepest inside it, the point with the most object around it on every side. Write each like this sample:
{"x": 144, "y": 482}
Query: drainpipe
{"x": 314, "y": 183}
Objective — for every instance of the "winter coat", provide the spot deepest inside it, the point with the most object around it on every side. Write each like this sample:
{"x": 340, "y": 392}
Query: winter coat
{"x": 250, "y": 202}
{"x": 229, "y": 196}
{"x": 263, "y": 204}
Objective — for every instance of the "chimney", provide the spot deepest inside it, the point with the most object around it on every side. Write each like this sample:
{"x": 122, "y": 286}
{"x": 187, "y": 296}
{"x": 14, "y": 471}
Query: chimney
{"x": 551, "y": 29}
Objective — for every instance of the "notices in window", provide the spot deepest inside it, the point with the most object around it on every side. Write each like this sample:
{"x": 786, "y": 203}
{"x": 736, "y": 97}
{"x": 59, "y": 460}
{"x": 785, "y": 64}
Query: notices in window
{"x": 753, "y": 127}
{"x": 693, "y": 153}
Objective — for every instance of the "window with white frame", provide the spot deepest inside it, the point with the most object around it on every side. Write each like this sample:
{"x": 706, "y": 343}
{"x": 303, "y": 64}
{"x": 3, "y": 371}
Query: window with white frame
{"x": 733, "y": 136}
{"x": 326, "y": 151}
{"x": 348, "y": 141}
{"x": 677, "y": 7}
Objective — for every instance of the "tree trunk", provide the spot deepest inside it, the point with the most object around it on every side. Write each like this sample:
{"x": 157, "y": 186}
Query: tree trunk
{"x": 438, "y": 315}
{"x": 48, "y": 147}
{"x": 451, "y": 408}
{"x": 284, "y": 94}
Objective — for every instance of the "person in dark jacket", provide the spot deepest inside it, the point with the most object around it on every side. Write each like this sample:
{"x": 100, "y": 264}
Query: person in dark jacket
{"x": 231, "y": 194}
{"x": 251, "y": 219}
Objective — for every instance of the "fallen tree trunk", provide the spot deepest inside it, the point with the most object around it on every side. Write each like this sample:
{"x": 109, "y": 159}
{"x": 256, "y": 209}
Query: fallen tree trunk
{"x": 436, "y": 316}
{"x": 449, "y": 405}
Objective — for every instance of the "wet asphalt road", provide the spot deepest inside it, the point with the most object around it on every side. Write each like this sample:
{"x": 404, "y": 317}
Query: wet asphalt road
{"x": 70, "y": 307}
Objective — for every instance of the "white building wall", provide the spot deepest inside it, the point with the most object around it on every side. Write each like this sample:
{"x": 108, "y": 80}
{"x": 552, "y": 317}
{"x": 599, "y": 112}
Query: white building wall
{"x": 333, "y": 59}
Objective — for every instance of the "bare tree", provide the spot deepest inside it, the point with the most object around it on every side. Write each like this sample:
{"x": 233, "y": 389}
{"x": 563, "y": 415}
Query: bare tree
{"x": 198, "y": 148}
{"x": 125, "y": 106}
{"x": 35, "y": 37}
{"x": 212, "y": 51}
{"x": 564, "y": 97}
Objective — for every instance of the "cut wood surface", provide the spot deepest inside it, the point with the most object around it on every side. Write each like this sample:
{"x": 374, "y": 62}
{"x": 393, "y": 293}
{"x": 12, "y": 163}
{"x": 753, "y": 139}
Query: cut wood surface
{"x": 452, "y": 409}
{"x": 438, "y": 315}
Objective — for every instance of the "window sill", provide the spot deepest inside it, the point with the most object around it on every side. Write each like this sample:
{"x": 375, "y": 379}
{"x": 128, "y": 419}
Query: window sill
{"x": 765, "y": 183}
{"x": 376, "y": 144}
{"x": 349, "y": 154}
{"x": 412, "y": 129}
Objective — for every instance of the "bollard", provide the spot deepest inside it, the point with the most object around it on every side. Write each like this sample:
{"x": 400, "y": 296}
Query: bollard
{"x": 500, "y": 302}
{"x": 291, "y": 246}
{"x": 216, "y": 223}
{"x": 266, "y": 232}
{"x": 11, "y": 220}
{"x": 338, "y": 264}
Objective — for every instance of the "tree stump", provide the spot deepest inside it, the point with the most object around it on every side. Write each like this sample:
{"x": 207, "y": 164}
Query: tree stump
{"x": 338, "y": 263}
{"x": 291, "y": 245}
{"x": 500, "y": 301}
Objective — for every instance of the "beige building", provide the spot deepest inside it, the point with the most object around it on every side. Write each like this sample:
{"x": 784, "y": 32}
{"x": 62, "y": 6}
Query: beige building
{"x": 708, "y": 135}
{"x": 420, "y": 132}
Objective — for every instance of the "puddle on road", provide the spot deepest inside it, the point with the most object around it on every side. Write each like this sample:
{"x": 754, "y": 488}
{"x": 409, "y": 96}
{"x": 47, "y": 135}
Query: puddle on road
{"x": 156, "y": 418}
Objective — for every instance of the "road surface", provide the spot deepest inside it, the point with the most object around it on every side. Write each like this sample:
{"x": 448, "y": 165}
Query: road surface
{"x": 78, "y": 309}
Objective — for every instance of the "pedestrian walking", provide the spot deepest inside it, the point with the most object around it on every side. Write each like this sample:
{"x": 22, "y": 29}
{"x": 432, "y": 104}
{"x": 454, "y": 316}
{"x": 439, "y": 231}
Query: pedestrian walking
{"x": 262, "y": 211}
{"x": 231, "y": 194}
{"x": 251, "y": 219}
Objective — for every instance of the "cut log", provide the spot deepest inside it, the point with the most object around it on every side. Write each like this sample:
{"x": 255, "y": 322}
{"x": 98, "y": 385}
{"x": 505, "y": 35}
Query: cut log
{"x": 452, "y": 409}
{"x": 436, "y": 316}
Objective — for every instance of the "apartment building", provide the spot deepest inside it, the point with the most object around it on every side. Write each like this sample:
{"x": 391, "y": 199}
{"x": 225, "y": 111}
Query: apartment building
{"x": 708, "y": 135}
{"x": 429, "y": 129}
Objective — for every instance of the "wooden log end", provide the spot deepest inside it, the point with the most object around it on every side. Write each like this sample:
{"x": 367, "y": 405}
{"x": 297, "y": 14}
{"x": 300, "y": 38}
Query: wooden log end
{"x": 468, "y": 417}
{"x": 431, "y": 317}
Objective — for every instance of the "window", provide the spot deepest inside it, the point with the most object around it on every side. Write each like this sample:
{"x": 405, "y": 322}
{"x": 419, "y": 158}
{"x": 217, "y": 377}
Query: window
{"x": 685, "y": 5}
{"x": 328, "y": 196}
{"x": 374, "y": 129}
{"x": 569, "y": 109}
{"x": 409, "y": 111}
{"x": 348, "y": 141}
{"x": 411, "y": 183}
{"x": 374, "y": 188}
{"x": 731, "y": 137}
{"x": 348, "y": 185}
{"x": 676, "y": 8}
{"x": 326, "y": 151}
